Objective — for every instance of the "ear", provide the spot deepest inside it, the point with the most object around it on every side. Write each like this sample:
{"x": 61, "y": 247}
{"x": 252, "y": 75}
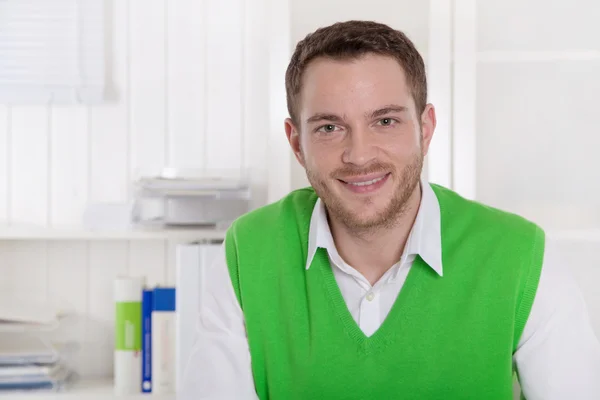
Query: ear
{"x": 428, "y": 122}
{"x": 293, "y": 135}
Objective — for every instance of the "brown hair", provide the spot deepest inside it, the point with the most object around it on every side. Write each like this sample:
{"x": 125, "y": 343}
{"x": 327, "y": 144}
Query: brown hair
{"x": 350, "y": 40}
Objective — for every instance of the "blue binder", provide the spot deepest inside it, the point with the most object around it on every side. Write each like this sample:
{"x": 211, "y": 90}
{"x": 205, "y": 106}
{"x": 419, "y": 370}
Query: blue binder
{"x": 147, "y": 305}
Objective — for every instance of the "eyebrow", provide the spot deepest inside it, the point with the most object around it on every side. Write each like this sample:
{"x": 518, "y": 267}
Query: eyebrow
{"x": 389, "y": 109}
{"x": 324, "y": 117}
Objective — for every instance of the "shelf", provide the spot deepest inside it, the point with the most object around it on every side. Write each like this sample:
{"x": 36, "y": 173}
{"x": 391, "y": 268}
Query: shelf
{"x": 23, "y": 232}
{"x": 499, "y": 56}
{"x": 26, "y": 232}
{"x": 85, "y": 390}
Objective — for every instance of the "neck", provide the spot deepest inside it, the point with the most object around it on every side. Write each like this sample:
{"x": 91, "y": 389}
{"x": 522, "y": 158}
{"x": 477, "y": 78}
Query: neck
{"x": 374, "y": 252}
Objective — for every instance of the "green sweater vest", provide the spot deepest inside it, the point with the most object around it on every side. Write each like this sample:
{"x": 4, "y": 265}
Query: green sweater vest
{"x": 449, "y": 337}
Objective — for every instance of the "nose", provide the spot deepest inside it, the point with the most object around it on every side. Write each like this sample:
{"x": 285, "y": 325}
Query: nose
{"x": 360, "y": 149}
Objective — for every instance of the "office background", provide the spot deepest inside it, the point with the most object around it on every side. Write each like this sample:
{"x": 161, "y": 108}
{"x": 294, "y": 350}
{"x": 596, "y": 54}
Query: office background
{"x": 199, "y": 84}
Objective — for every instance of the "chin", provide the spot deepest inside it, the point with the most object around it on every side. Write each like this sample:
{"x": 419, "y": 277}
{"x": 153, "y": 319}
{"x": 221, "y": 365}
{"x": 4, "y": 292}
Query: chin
{"x": 365, "y": 213}
{"x": 368, "y": 206}
{"x": 367, "y": 221}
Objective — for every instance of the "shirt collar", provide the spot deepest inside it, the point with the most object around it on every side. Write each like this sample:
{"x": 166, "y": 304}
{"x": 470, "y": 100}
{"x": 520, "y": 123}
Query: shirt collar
{"x": 425, "y": 237}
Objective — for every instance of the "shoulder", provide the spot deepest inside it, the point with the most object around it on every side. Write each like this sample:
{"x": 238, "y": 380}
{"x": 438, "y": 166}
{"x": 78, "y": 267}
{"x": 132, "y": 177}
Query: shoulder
{"x": 482, "y": 218}
{"x": 297, "y": 204}
{"x": 266, "y": 233}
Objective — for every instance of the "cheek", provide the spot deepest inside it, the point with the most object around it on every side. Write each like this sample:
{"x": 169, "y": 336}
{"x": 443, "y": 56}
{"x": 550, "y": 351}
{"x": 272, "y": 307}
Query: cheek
{"x": 399, "y": 152}
{"x": 321, "y": 158}
{"x": 404, "y": 147}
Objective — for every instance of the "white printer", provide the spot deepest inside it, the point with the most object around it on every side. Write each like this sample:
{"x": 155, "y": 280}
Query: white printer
{"x": 180, "y": 197}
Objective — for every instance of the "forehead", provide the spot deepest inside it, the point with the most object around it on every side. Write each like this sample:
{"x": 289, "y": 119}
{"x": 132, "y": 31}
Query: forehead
{"x": 355, "y": 85}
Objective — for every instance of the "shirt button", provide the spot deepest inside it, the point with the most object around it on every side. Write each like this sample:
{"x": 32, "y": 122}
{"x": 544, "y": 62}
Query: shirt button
{"x": 370, "y": 296}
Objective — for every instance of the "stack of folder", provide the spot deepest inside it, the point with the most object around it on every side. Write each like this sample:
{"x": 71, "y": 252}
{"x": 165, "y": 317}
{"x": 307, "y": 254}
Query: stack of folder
{"x": 27, "y": 362}
{"x": 30, "y": 357}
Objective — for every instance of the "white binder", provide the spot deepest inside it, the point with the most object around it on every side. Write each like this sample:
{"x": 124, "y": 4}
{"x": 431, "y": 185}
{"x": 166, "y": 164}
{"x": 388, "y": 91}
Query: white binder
{"x": 191, "y": 259}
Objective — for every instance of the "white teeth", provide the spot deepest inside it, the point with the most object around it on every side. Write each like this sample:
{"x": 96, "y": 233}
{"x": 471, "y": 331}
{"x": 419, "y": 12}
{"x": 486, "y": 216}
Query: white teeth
{"x": 367, "y": 182}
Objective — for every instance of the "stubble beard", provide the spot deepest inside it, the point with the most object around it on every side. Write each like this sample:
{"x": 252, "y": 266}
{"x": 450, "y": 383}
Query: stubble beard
{"x": 384, "y": 219}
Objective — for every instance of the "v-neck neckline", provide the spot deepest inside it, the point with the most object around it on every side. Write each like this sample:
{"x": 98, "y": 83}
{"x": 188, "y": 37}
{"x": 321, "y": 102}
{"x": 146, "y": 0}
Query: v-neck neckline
{"x": 382, "y": 335}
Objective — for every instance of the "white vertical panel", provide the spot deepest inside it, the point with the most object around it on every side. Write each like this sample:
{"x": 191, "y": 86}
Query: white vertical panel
{"x": 186, "y": 71}
{"x": 4, "y": 163}
{"x": 439, "y": 75}
{"x": 224, "y": 139}
{"x": 68, "y": 284}
{"x": 147, "y": 84}
{"x": 279, "y": 153}
{"x": 147, "y": 259}
{"x": 463, "y": 127}
{"x": 109, "y": 123}
{"x": 171, "y": 261}
{"x": 108, "y": 259}
{"x": 24, "y": 272}
{"x": 516, "y": 25}
{"x": 256, "y": 97}
{"x": 29, "y": 169}
{"x": 69, "y": 164}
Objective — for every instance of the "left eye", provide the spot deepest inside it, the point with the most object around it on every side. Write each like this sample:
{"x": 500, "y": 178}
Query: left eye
{"x": 386, "y": 121}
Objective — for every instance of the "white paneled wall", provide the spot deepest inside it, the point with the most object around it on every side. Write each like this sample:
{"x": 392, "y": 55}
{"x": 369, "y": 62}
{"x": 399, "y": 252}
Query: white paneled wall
{"x": 188, "y": 87}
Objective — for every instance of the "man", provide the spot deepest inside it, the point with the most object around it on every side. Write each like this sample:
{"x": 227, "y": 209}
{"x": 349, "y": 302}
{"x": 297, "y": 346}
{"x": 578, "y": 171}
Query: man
{"x": 376, "y": 284}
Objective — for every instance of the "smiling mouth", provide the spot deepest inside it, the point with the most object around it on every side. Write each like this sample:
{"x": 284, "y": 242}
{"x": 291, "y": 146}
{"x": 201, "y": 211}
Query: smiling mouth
{"x": 365, "y": 185}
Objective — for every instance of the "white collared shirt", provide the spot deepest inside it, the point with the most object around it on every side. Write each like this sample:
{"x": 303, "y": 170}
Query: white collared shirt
{"x": 558, "y": 356}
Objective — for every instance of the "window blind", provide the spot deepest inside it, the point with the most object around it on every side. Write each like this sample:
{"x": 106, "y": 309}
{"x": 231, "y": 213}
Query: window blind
{"x": 51, "y": 51}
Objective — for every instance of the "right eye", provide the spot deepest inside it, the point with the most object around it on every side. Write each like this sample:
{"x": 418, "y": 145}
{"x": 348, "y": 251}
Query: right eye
{"x": 329, "y": 128}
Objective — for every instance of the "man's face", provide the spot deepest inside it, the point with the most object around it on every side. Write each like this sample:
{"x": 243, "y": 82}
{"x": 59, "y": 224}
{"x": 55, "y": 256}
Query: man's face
{"x": 360, "y": 139}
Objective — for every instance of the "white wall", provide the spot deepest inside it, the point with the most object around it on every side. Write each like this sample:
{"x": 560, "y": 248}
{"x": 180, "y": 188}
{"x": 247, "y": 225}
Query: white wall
{"x": 183, "y": 92}
{"x": 409, "y": 16}
{"x": 532, "y": 102}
